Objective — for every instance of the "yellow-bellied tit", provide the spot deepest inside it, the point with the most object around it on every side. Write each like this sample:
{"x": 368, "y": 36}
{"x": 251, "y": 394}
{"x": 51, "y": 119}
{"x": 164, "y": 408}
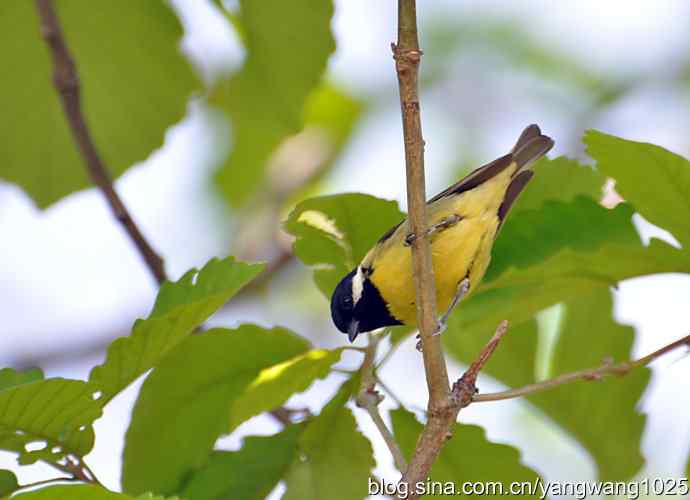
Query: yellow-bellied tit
{"x": 463, "y": 222}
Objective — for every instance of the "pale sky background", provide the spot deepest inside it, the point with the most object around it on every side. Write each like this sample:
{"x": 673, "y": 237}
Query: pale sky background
{"x": 70, "y": 276}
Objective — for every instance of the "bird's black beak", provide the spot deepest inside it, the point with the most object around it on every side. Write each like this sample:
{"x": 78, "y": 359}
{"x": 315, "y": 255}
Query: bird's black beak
{"x": 353, "y": 330}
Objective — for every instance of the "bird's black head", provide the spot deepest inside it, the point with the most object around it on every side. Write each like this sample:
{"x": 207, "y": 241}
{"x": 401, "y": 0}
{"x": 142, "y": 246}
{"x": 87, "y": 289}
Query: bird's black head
{"x": 357, "y": 305}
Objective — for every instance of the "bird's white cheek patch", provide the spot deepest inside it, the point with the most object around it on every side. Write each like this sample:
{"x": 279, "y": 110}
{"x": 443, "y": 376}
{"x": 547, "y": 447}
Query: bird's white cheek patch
{"x": 357, "y": 285}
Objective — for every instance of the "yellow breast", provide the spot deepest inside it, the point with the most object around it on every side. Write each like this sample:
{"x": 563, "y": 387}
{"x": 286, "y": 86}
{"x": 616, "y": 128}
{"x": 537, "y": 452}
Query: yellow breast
{"x": 462, "y": 250}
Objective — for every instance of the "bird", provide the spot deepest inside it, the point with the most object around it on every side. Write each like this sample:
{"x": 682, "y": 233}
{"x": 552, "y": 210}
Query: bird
{"x": 463, "y": 222}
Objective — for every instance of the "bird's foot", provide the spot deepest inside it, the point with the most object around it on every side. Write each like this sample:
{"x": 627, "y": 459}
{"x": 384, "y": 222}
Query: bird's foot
{"x": 441, "y": 326}
{"x": 449, "y": 221}
{"x": 463, "y": 288}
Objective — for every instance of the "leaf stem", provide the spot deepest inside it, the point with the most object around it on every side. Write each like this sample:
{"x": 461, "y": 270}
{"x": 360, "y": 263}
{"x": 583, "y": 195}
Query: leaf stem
{"x": 66, "y": 81}
{"x": 368, "y": 398}
{"x": 47, "y": 481}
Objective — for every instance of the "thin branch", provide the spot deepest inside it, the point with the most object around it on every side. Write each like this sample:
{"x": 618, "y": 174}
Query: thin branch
{"x": 441, "y": 411}
{"x": 438, "y": 428}
{"x": 47, "y": 481}
{"x": 369, "y": 399}
{"x": 89, "y": 472}
{"x": 66, "y": 82}
{"x": 388, "y": 390}
{"x": 607, "y": 369}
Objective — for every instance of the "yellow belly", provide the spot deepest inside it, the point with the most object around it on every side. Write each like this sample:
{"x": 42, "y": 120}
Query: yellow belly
{"x": 462, "y": 250}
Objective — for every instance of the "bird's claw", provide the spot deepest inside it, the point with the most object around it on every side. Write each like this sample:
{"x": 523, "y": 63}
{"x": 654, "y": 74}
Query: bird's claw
{"x": 440, "y": 328}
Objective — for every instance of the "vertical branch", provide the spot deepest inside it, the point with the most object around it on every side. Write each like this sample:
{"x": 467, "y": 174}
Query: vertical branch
{"x": 441, "y": 413}
{"x": 407, "y": 57}
{"x": 66, "y": 82}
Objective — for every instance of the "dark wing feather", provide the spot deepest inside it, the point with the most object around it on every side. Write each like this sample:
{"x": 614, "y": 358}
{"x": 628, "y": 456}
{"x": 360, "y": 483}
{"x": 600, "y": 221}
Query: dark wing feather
{"x": 530, "y": 146}
{"x": 514, "y": 189}
{"x": 390, "y": 232}
{"x": 527, "y": 135}
{"x": 477, "y": 177}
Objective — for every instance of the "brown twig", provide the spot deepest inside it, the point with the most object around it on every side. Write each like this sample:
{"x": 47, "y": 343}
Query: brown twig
{"x": 77, "y": 468}
{"x": 44, "y": 482}
{"x": 607, "y": 369}
{"x": 439, "y": 424}
{"x": 66, "y": 82}
{"x": 369, "y": 399}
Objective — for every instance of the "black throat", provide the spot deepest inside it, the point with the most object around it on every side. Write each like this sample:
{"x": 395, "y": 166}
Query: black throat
{"x": 371, "y": 310}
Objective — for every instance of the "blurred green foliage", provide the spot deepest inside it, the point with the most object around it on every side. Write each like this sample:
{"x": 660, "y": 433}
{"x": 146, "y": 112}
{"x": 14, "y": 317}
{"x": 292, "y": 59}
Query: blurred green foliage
{"x": 134, "y": 85}
{"x": 559, "y": 246}
{"x": 288, "y": 45}
{"x": 468, "y": 451}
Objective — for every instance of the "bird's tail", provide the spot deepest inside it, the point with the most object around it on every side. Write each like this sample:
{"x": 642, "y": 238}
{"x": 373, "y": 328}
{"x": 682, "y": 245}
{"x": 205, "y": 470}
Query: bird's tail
{"x": 530, "y": 146}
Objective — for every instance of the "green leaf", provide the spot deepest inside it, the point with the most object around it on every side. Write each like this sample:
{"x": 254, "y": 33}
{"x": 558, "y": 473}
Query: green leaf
{"x": 468, "y": 456}
{"x": 56, "y": 413}
{"x": 180, "y": 307}
{"x": 335, "y": 460}
{"x": 8, "y": 482}
{"x": 151, "y": 496}
{"x": 532, "y": 236}
{"x": 561, "y": 179}
{"x": 654, "y": 180}
{"x": 543, "y": 257}
{"x": 183, "y": 405}
{"x": 82, "y": 492}
{"x": 135, "y": 84}
{"x": 335, "y": 232}
{"x": 248, "y": 474}
{"x": 519, "y": 294}
{"x": 602, "y": 416}
{"x": 288, "y": 46}
{"x": 276, "y": 384}
{"x": 10, "y": 377}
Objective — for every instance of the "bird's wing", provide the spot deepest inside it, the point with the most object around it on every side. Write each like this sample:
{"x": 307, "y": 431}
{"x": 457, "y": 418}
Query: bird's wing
{"x": 514, "y": 189}
{"x": 531, "y": 146}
